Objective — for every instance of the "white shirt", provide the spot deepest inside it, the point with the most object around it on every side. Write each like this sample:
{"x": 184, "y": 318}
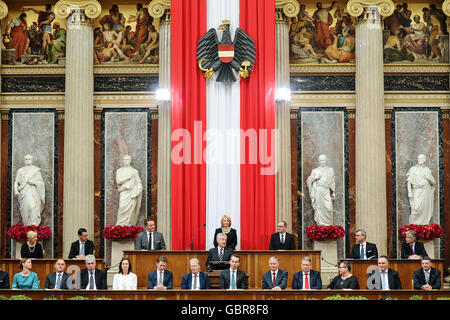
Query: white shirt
{"x": 386, "y": 280}
{"x": 89, "y": 280}
{"x": 231, "y": 276}
{"x": 284, "y": 237}
{"x": 56, "y": 279}
{"x": 198, "y": 281}
{"x": 125, "y": 282}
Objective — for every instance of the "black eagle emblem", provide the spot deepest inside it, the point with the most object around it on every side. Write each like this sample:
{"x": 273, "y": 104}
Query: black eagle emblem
{"x": 226, "y": 57}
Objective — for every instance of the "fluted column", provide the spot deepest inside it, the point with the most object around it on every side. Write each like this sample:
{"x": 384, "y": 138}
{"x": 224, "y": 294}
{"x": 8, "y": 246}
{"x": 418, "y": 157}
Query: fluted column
{"x": 160, "y": 11}
{"x": 78, "y": 209}
{"x": 283, "y": 195}
{"x": 370, "y": 127}
{"x": 3, "y": 14}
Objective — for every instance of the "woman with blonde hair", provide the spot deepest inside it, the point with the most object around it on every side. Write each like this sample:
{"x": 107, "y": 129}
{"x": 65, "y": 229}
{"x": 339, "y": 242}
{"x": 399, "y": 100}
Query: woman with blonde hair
{"x": 225, "y": 228}
{"x": 26, "y": 279}
{"x": 32, "y": 249}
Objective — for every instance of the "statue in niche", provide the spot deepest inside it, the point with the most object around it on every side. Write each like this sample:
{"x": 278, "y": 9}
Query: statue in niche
{"x": 321, "y": 187}
{"x": 30, "y": 190}
{"x": 130, "y": 188}
{"x": 421, "y": 185}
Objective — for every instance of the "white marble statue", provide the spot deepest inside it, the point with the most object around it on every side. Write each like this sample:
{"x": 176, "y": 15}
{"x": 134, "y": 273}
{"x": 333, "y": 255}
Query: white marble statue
{"x": 421, "y": 185}
{"x": 30, "y": 190}
{"x": 321, "y": 187}
{"x": 130, "y": 188}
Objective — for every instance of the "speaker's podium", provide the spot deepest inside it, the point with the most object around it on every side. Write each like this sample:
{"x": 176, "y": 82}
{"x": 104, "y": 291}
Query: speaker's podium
{"x": 214, "y": 270}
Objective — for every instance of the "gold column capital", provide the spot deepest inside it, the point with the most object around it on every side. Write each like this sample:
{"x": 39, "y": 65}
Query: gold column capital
{"x": 3, "y": 10}
{"x": 91, "y": 8}
{"x": 157, "y": 9}
{"x": 290, "y": 8}
{"x": 446, "y": 7}
{"x": 356, "y": 7}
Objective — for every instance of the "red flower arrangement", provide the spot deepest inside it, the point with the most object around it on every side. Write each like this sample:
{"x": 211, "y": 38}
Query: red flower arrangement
{"x": 424, "y": 231}
{"x": 121, "y": 232}
{"x": 19, "y": 232}
{"x": 325, "y": 232}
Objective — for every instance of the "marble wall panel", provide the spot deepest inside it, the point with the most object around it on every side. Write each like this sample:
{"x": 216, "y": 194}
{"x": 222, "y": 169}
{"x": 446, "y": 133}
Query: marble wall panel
{"x": 34, "y": 133}
{"x": 415, "y": 132}
{"x": 324, "y": 131}
{"x": 125, "y": 132}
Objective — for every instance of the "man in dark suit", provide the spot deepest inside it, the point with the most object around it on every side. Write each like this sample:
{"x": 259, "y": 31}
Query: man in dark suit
{"x": 91, "y": 278}
{"x": 150, "y": 239}
{"x": 195, "y": 280}
{"x": 220, "y": 253}
{"x": 160, "y": 279}
{"x": 59, "y": 279}
{"x": 233, "y": 278}
{"x": 282, "y": 240}
{"x": 275, "y": 278}
{"x": 383, "y": 277}
{"x": 363, "y": 249}
{"x": 412, "y": 249}
{"x": 4, "y": 280}
{"x": 307, "y": 279}
{"x": 427, "y": 278}
{"x": 82, "y": 247}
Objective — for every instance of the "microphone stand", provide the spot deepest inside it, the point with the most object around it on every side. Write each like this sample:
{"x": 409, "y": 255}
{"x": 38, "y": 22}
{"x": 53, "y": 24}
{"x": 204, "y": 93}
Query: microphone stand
{"x": 191, "y": 244}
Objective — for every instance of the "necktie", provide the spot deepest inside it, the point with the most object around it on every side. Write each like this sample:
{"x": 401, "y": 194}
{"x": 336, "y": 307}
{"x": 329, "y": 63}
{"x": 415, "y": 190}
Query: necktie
{"x": 306, "y": 281}
{"x": 282, "y": 239}
{"x": 195, "y": 282}
{"x": 149, "y": 245}
{"x": 362, "y": 252}
{"x": 58, "y": 282}
{"x": 221, "y": 254}
{"x": 383, "y": 281}
{"x": 427, "y": 276}
{"x": 412, "y": 249}
{"x": 91, "y": 281}
{"x": 82, "y": 248}
{"x": 233, "y": 280}
{"x": 273, "y": 280}
{"x": 160, "y": 279}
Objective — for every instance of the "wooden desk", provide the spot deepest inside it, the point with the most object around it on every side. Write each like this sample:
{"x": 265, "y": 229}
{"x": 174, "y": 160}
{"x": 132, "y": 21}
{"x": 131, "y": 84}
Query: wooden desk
{"x": 43, "y": 267}
{"x": 404, "y": 267}
{"x": 254, "y": 263}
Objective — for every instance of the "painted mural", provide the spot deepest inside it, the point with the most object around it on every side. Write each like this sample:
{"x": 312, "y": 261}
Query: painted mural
{"x": 416, "y": 33}
{"x": 322, "y": 33}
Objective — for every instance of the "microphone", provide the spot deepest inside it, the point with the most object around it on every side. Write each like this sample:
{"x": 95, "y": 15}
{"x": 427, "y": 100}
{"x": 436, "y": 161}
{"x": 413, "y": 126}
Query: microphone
{"x": 191, "y": 244}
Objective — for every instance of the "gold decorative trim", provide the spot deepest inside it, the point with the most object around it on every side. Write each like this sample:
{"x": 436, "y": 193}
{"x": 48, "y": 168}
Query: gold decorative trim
{"x": 290, "y": 8}
{"x": 3, "y": 10}
{"x": 446, "y": 114}
{"x": 446, "y": 7}
{"x": 356, "y": 7}
{"x": 91, "y": 8}
{"x": 156, "y": 9}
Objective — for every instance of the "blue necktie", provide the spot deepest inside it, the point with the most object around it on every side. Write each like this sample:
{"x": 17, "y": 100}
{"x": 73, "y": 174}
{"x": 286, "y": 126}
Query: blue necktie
{"x": 383, "y": 281}
{"x": 58, "y": 282}
{"x": 233, "y": 280}
{"x": 362, "y": 252}
{"x": 82, "y": 249}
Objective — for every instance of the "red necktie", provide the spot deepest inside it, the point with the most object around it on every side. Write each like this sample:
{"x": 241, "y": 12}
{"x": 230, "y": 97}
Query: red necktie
{"x": 412, "y": 249}
{"x": 306, "y": 281}
{"x": 273, "y": 281}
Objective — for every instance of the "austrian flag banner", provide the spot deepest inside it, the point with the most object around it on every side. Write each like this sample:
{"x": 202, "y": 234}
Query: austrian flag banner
{"x": 223, "y": 121}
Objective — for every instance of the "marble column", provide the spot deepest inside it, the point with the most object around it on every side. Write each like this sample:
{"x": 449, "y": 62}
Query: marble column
{"x": 283, "y": 196}
{"x": 78, "y": 197}
{"x": 3, "y": 14}
{"x": 370, "y": 122}
{"x": 160, "y": 11}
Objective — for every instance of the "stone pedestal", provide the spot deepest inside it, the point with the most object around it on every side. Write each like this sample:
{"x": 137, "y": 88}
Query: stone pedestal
{"x": 117, "y": 248}
{"x": 429, "y": 247}
{"x": 329, "y": 259}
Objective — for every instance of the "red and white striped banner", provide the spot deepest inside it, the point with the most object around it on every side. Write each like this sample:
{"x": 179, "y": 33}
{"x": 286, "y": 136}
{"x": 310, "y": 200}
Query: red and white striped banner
{"x": 223, "y": 134}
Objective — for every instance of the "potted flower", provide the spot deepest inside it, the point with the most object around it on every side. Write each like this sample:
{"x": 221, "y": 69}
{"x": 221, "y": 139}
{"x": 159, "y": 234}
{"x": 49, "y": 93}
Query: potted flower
{"x": 425, "y": 231}
{"x": 19, "y": 232}
{"x": 325, "y": 232}
{"x": 117, "y": 232}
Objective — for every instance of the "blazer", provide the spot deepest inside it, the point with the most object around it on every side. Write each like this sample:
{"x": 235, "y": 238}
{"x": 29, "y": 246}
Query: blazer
{"x": 153, "y": 279}
{"x": 75, "y": 248}
{"x": 231, "y": 238}
{"x": 315, "y": 281}
{"x": 374, "y": 280}
{"x": 225, "y": 280}
{"x": 66, "y": 281}
{"x": 280, "y": 280}
{"x": 434, "y": 281}
{"x": 158, "y": 241}
{"x": 4, "y": 280}
{"x": 213, "y": 255}
{"x": 100, "y": 279}
{"x": 371, "y": 251}
{"x": 289, "y": 243}
{"x": 186, "y": 281}
{"x": 37, "y": 253}
{"x": 419, "y": 250}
